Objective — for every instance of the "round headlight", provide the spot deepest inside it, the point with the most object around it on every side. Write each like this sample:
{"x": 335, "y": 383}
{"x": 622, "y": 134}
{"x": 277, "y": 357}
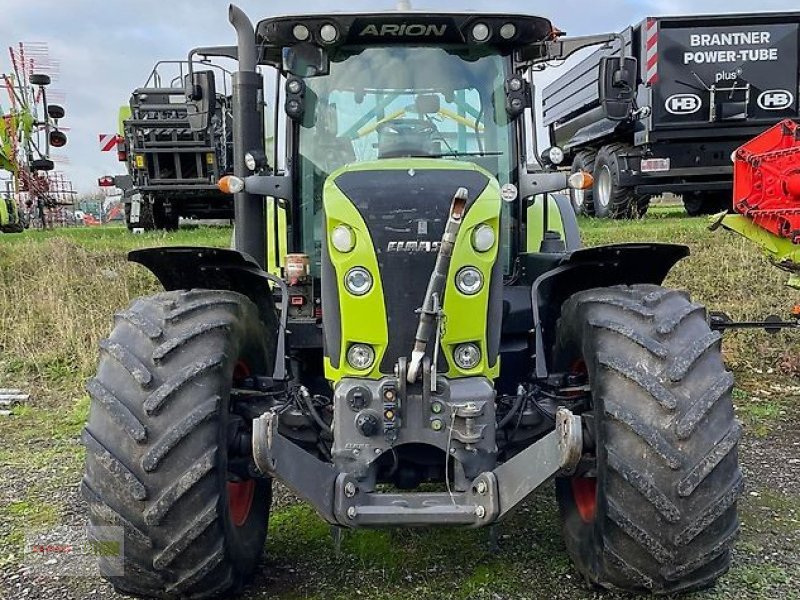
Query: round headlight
{"x": 358, "y": 281}
{"x": 508, "y": 31}
{"x": 481, "y": 32}
{"x": 467, "y": 356}
{"x": 469, "y": 281}
{"x": 515, "y": 84}
{"x": 360, "y": 356}
{"x": 301, "y": 32}
{"x": 556, "y": 155}
{"x": 328, "y": 33}
{"x": 342, "y": 238}
{"x": 483, "y": 238}
{"x": 294, "y": 86}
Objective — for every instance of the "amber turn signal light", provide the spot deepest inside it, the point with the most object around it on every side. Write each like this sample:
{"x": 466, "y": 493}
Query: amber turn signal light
{"x": 231, "y": 184}
{"x": 580, "y": 180}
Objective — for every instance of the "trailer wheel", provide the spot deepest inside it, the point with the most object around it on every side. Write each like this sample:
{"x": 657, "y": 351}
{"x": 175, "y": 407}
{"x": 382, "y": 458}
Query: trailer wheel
{"x": 707, "y": 203}
{"x": 611, "y": 200}
{"x": 583, "y": 200}
{"x": 164, "y": 459}
{"x": 146, "y": 221}
{"x": 163, "y": 219}
{"x": 653, "y": 508}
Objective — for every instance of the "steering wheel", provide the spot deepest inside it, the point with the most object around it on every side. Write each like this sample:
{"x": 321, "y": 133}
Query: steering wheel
{"x": 406, "y": 137}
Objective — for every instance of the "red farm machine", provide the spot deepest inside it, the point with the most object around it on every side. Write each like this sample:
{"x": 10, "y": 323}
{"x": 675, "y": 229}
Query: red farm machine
{"x": 766, "y": 195}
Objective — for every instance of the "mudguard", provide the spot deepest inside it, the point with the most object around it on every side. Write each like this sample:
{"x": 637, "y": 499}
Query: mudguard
{"x": 187, "y": 267}
{"x": 601, "y": 266}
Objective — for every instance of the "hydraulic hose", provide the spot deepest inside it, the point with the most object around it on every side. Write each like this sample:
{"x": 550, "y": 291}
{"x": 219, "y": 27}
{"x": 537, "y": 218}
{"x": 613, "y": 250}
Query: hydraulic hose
{"x": 433, "y": 295}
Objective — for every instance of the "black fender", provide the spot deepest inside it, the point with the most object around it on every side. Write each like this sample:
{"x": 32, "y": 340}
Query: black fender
{"x": 587, "y": 268}
{"x": 188, "y": 267}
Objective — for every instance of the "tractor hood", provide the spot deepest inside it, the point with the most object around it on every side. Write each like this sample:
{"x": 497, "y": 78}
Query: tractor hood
{"x": 396, "y": 210}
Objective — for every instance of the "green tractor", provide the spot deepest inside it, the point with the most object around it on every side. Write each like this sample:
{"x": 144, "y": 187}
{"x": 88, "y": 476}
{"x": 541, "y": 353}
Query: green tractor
{"x": 437, "y": 344}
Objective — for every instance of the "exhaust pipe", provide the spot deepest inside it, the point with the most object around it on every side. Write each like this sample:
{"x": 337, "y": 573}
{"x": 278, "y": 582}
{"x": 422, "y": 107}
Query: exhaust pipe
{"x": 429, "y": 312}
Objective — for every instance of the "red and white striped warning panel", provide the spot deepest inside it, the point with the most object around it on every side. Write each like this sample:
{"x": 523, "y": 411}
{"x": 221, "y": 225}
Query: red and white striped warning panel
{"x": 651, "y": 50}
{"x": 108, "y": 142}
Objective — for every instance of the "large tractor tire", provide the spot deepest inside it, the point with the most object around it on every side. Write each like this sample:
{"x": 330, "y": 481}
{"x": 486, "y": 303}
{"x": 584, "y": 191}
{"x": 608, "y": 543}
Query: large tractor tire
{"x": 160, "y": 452}
{"x": 707, "y": 203}
{"x": 611, "y": 199}
{"x": 654, "y": 507}
{"x": 583, "y": 200}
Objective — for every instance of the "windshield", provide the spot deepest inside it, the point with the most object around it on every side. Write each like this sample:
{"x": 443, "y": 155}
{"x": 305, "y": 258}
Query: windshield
{"x": 387, "y": 102}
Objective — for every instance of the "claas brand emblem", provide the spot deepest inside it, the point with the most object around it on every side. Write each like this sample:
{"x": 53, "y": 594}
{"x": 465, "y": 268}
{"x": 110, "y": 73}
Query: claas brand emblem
{"x": 413, "y": 246}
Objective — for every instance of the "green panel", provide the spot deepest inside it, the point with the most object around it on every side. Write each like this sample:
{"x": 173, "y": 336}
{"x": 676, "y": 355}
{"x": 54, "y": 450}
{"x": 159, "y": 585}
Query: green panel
{"x": 781, "y": 251}
{"x": 275, "y": 263}
{"x": 363, "y": 317}
{"x": 466, "y": 315}
{"x": 124, "y": 114}
{"x": 5, "y": 217}
{"x": 535, "y": 221}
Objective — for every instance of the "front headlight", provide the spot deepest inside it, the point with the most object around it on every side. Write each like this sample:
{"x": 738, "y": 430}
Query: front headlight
{"x": 483, "y": 238}
{"x": 467, "y": 356}
{"x": 361, "y": 356}
{"x": 469, "y": 281}
{"x": 342, "y": 238}
{"x": 358, "y": 281}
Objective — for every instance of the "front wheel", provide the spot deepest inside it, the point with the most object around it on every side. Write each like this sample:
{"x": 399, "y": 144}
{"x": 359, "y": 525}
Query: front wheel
{"x": 164, "y": 457}
{"x": 653, "y": 505}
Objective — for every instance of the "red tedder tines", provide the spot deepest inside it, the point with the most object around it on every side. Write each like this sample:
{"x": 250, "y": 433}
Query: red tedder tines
{"x": 766, "y": 180}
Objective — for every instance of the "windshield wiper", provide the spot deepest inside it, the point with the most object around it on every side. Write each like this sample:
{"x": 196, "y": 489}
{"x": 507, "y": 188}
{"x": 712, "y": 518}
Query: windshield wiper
{"x": 446, "y": 154}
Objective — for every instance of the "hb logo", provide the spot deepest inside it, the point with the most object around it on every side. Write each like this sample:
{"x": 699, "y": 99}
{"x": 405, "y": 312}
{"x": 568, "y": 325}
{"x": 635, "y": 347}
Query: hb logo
{"x": 775, "y": 100}
{"x": 683, "y": 104}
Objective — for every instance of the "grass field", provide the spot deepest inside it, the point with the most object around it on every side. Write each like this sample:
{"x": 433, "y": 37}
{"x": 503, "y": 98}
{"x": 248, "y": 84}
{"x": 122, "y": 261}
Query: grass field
{"x": 59, "y": 290}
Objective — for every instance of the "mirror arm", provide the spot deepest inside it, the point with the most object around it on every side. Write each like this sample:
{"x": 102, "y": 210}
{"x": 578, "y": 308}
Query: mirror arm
{"x": 275, "y": 186}
{"x": 564, "y": 48}
{"x": 532, "y": 183}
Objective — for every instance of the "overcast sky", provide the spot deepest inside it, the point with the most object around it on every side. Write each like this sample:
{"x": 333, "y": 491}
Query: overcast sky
{"x": 107, "y": 47}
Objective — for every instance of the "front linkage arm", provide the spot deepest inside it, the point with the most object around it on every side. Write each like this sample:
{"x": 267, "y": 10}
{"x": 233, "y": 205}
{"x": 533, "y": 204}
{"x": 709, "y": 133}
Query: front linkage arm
{"x": 492, "y": 495}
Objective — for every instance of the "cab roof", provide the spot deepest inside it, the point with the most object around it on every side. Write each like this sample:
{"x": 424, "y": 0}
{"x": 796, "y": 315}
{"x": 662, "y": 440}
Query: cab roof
{"x": 507, "y": 31}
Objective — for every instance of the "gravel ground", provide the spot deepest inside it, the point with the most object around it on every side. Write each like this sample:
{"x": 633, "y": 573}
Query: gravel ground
{"x": 766, "y": 562}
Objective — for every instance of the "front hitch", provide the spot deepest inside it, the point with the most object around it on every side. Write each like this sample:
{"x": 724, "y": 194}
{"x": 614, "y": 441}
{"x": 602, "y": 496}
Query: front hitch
{"x": 492, "y": 495}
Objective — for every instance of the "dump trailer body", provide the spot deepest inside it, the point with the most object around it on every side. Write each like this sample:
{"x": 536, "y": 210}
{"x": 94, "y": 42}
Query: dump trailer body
{"x": 706, "y": 84}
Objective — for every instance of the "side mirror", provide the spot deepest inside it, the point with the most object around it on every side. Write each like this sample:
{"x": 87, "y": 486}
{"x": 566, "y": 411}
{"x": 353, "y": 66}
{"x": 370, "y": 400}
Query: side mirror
{"x": 305, "y": 60}
{"x": 617, "y": 82}
{"x": 201, "y": 98}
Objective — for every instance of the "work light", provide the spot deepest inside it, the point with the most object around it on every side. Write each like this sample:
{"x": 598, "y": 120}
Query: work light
{"x": 361, "y": 356}
{"x": 467, "y": 356}
{"x": 358, "y": 281}
{"x": 469, "y": 281}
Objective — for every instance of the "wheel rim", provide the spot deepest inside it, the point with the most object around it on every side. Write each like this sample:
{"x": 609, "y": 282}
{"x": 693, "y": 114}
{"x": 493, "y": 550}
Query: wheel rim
{"x": 584, "y": 491}
{"x": 578, "y": 198}
{"x": 603, "y": 186}
{"x": 240, "y": 493}
{"x": 240, "y": 500}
